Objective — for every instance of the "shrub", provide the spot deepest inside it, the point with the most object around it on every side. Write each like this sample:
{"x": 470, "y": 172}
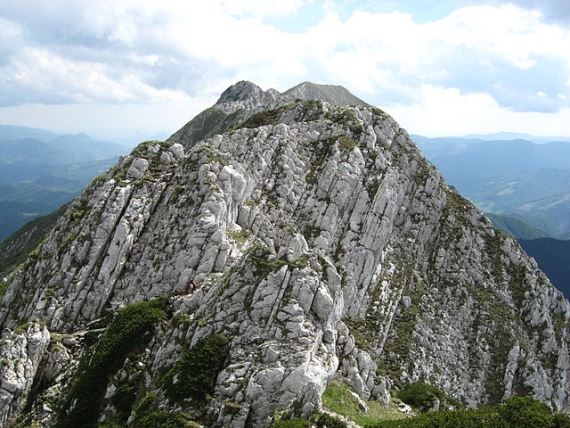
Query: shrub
{"x": 560, "y": 420}
{"x": 126, "y": 334}
{"x": 525, "y": 411}
{"x": 516, "y": 412}
{"x": 162, "y": 419}
{"x": 194, "y": 375}
{"x": 291, "y": 423}
{"x": 328, "y": 421}
{"x": 420, "y": 395}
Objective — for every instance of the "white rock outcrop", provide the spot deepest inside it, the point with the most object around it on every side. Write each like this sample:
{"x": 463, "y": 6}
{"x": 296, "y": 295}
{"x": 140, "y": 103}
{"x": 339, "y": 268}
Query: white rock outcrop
{"x": 321, "y": 243}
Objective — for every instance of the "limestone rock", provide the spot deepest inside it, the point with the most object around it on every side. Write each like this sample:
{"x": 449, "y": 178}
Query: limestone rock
{"x": 20, "y": 352}
{"x": 318, "y": 241}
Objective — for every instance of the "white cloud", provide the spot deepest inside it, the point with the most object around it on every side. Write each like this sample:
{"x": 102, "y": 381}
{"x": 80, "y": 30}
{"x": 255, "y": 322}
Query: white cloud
{"x": 144, "y": 51}
{"x": 262, "y": 8}
{"x": 446, "y": 112}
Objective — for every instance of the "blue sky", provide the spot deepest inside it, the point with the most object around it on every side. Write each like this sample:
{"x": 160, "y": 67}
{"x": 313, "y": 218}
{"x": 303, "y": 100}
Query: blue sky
{"x": 114, "y": 68}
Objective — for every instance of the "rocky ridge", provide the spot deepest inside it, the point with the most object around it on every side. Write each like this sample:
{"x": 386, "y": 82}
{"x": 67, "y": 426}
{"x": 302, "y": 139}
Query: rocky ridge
{"x": 299, "y": 239}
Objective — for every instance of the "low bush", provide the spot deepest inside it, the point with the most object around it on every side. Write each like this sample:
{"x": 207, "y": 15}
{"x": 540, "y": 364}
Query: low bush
{"x": 424, "y": 396}
{"x": 515, "y": 412}
{"x": 126, "y": 334}
{"x": 194, "y": 375}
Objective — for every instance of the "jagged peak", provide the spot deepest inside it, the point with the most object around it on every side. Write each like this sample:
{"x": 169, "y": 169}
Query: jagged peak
{"x": 333, "y": 94}
{"x": 240, "y": 91}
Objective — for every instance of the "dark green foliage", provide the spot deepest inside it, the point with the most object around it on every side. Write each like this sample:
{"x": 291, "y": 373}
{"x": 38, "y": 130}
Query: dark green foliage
{"x": 124, "y": 398}
{"x": 148, "y": 415}
{"x": 264, "y": 261}
{"x": 423, "y": 396}
{"x": 327, "y": 421}
{"x": 525, "y": 412}
{"x": 291, "y": 423}
{"x": 194, "y": 375}
{"x": 493, "y": 249}
{"x": 126, "y": 334}
{"x": 3, "y": 287}
{"x": 162, "y": 419}
{"x": 560, "y": 420}
{"x": 347, "y": 119}
{"x": 268, "y": 117}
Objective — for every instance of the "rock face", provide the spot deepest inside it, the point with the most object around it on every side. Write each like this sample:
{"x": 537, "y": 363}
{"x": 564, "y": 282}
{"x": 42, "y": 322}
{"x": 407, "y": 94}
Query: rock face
{"x": 21, "y": 352}
{"x": 295, "y": 241}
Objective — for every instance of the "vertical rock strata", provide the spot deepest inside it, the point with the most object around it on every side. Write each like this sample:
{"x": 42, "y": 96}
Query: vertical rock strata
{"x": 318, "y": 241}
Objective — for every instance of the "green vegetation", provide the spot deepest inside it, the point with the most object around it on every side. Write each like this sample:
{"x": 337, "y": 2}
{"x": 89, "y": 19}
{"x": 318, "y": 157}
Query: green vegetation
{"x": 147, "y": 415}
{"x": 141, "y": 151}
{"x": 239, "y": 236}
{"x": 339, "y": 399}
{"x": 328, "y": 421}
{"x": 423, "y": 396}
{"x": 400, "y": 338}
{"x": 265, "y": 262}
{"x": 347, "y": 119}
{"x": 493, "y": 249}
{"x": 291, "y": 423}
{"x": 268, "y": 117}
{"x": 163, "y": 419}
{"x": 126, "y": 334}
{"x": 3, "y": 286}
{"x": 456, "y": 204}
{"x": 358, "y": 329}
{"x": 180, "y": 319}
{"x": 323, "y": 420}
{"x": 194, "y": 375}
{"x": 346, "y": 143}
{"x": 323, "y": 148}
{"x": 516, "y": 412}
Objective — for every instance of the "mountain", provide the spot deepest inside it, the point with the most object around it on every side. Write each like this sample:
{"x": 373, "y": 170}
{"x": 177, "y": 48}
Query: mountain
{"x": 15, "y": 249}
{"x": 502, "y": 136}
{"x": 553, "y": 257}
{"x": 41, "y": 170}
{"x": 515, "y": 227}
{"x": 271, "y": 250}
{"x": 332, "y": 94}
{"x": 12, "y": 132}
{"x": 515, "y": 178}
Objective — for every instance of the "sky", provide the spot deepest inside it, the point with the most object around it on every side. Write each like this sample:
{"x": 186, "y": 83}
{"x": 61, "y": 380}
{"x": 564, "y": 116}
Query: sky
{"x": 124, "y": 68}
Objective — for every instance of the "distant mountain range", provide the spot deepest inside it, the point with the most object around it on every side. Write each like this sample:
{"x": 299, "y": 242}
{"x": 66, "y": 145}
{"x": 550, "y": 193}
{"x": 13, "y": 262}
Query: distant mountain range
{"x": 514, "y": 178}
{"x": 524, "y": 186}
{"x": 41, "y": 170}
{"x": 539, "y": 139}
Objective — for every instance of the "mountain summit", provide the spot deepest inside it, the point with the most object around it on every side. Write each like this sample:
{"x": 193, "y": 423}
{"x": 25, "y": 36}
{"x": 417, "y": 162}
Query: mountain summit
{"x": 333, "y": 94}
{"x": 273, "y": 244}
{"x": 244, "y": 98}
